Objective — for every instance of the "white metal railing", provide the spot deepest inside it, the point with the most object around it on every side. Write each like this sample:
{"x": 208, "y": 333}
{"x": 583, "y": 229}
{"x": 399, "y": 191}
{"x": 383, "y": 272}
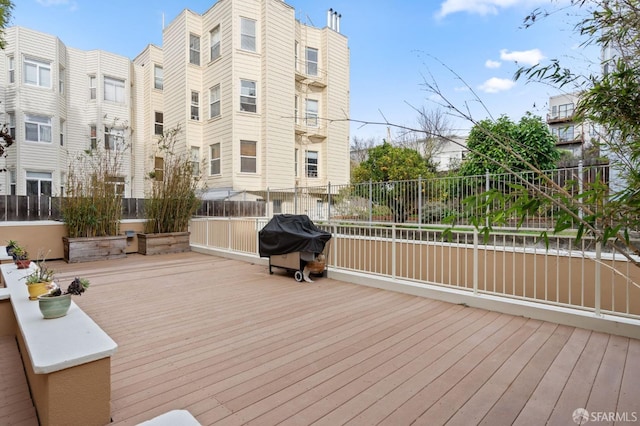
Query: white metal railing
{"x": 511, "y": 265}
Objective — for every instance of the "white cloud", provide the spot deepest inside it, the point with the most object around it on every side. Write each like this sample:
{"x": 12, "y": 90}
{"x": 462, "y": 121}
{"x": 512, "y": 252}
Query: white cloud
{"x": 527, "y": 57}
{"x": 495, "y": 85}
{"x": 481, "y": 7}
{"x": 461, "y": 89}
{"x": 492, "y": 64}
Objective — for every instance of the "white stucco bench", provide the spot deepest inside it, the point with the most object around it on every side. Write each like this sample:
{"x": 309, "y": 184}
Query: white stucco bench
{"x": 172, "y": 418}
{"x": 63, "y": 357}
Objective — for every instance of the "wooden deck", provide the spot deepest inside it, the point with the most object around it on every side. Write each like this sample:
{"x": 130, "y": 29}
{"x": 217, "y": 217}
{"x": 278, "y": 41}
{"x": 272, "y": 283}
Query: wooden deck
{"x": 235, "y": 345}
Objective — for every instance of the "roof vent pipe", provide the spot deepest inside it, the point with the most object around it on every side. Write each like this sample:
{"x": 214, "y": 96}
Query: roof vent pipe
{"x": 338, "y": 23}
{"x": 329, "y": 19}
{"x": 335, "y": 20}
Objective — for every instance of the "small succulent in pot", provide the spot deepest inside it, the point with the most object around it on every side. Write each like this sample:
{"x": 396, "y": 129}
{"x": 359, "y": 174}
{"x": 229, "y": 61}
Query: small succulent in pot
{"x": 76, "y": 288}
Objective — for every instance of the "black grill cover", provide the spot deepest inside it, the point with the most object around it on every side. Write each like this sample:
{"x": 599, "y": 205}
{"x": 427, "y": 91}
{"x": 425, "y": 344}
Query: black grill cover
{"x": 289, "y": 233}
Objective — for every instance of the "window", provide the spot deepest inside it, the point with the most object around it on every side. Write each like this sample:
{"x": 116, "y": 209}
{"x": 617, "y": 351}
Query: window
{"x": 248, "y": 34}
{"x": 37, "y": 73}
{"x": 93, "y": 137}
{"x": 158, "y": 169}
{"x": 12, "y": 181}
{"x": 295, "y": 109}
{"x": 116, "y": 183}
{"x": 296, "y": 47}
{"x": 194, "y": 49}
{"x": 195, "y": 160}
{"x": 62, "y": 125}
{"x": 214, "y": 164}
{"x": 12, "y": 124}
{"x": 63, "y": 179}
{"x": 311, "y": 112}
{"x": 295, "y": 163}
{"x": 12, "y": 69}
{"x": 158, "y": 82}
{"x": 37, "y": 128}
{"x": 247, "y": 157}
{"x": 277, "y": 206}
{"x": 311, "y": 163}
{"x": 214, "y": 101}
{"x": 113, "y": 90}
{"x": 39, "y": 183}
{"x": 158, "y": 127}
{"x": 564, "y": 134}
{"x": 113, "y": 138}
{"x": 565, "y": 110}
{"x": 61, "y": 80}
{"x": 92, "y": 86}
{"x": 247, "y": 95}
{"x": 311, "y": 58}
{"x": 214, "y": 41}
{"x": 195, "y": 105}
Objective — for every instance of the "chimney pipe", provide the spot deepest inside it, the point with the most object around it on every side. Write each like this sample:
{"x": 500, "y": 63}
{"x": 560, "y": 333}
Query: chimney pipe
{"x": 338, "y": 23}
{"x": 335, "y": 20}
{"x": 329, "y": 14}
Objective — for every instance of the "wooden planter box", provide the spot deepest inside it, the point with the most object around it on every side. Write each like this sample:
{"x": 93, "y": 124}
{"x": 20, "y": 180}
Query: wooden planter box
{"x": 87, "y": 249}
{"x": 170, "y": 242}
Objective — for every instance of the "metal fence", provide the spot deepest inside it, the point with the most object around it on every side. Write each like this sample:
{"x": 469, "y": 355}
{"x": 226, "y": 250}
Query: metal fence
{"x": 425, "y": 201}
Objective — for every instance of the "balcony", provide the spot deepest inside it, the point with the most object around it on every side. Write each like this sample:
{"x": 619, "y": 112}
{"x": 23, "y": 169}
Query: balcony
{"x": 318, "y": 131}
{"x": 560, "y": 118}
{"x": 231, "y": 344}
{"x": 317, "y": 80}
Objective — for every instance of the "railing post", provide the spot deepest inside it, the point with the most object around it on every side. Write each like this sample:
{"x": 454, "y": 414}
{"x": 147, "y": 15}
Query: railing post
{"x": 268, "y": 201}
{"x": 597, "y": 285}
{"x": 419, "y": 200}
{"x": 229, "y": 237}
{"x": 475, "y": 261}
{"x": 487, "y": 186}
{"x": 393, "y": 251}
{"x": 329, "y": 201}
{"x": 580, "y": 184}
{"x": 370, "y": 201}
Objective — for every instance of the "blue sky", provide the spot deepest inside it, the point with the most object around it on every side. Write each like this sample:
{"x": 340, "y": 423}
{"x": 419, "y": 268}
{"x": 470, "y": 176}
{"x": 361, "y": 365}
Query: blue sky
{"x": 395, "y": 47}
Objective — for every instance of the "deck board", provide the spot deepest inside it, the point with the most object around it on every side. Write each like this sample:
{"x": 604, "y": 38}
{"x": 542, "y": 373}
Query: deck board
{"x": 235, "y": 345}
{"x": 16, "y": 406}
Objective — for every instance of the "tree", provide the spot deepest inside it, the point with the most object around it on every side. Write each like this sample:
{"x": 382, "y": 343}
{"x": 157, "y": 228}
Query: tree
{"x": 529, "y": 141}
{"x": 387, "y": 163}
{"x": 6, "y": 7}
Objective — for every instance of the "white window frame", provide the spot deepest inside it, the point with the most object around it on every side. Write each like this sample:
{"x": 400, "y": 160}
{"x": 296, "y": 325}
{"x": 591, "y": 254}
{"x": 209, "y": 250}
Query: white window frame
{"x": 113, "y": 89}
{"x": 42, "y": 77}
{"x": 296, "y": 48}
{"x": 12, "y": 124}
{"x": 215, "y": 162}
{"x": 40, "y": 178}
{"x": 113, "y": 138}
{"x": 158, "y": 77}
{"x": 248, "y": 39}
{"x": 93, "y": 137}
{"x": 61, "y": 75}
{"x": 195, "y": 160}
{"x": 296, "y": 108}
{"x": 194, "y": 49}
{"x": 311, "y": 164}
{"x": 248, "y": 96}
{"x": 11, "y": 66}
{"x": 93, "y": 87}
{"x": 158, "y": 123}
{"x": 214, "y": 42}
{"x": 214, "y": 101}
{"x": 248, "y": 162}
{"x": 311, "y": 64}
{"x": 195, "y": 105}
{"x": 311, "y": 108}
{"x": 42, "y": 126}
{"x": 63, "y": 124}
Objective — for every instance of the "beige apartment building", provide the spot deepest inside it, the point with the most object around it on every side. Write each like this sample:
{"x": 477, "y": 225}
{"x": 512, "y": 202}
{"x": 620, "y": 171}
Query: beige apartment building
{"x": 261, "y": 101}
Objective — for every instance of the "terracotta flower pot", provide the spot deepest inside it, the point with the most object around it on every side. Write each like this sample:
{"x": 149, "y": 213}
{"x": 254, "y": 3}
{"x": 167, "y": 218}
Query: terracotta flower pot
{"x": 23, "y": 263}
{"x": 54, "y": 306}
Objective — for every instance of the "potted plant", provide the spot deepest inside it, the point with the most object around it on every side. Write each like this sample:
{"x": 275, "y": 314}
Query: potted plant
{"x": 92, "y": 206}
{"x": 55, "y": 303}
{"x": 39, "y": 281}
{"x": 11, "y": 244}
{"x": 171, "y": 199}
{"x": 21, "y": 257}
